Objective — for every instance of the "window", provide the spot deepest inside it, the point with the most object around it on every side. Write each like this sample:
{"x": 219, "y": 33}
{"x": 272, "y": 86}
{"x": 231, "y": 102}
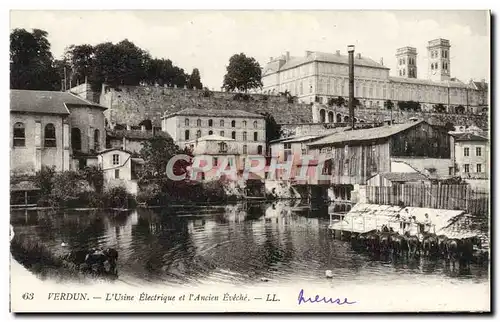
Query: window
{"x": 97, "y": 140}
{"x": 233, "y": 135}
{"x": 76, "y": 140}
{"x": 244, "y": 136}
{"x": 186, "y": 135}
{"x": 221, "y": 133}
{"x": 466, "y": 168}
{"x": 116, "y": 159}
{"x": 222, "y": 147}
{"x": 478, "y": 168}
{"x": 259, "y": 149}
{"x": 466, "y": 152}
{"x": 198, "y": 122}
{"x": 478, "y": 152}
{"x": 186, "y": 122}
{"x": 233, "y": 123}
{"x": 255, "y": 136}
{"x": 214, "y": 162}
{"x": 450, "y": 171}
{"x": 50, "y": 136}
{"x": 210, "y": 123}
{"x": 198, "y": 134}
{"x": 245, "y": 149}
{"x": 117, "y": 173}
{"x": 254, "y": 124}
{"x": 244, "y": 123}
{"x": 221, "y": 123}
{"x": 210, "y": 132}
{"x": 19, "y": 134}
{"x": 230, "y": 162}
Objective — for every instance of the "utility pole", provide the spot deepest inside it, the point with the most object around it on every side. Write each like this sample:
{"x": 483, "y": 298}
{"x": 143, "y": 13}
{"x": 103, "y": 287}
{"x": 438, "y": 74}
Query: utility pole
{"x": 64, "y": 79}
{"x": 350, "y": 50}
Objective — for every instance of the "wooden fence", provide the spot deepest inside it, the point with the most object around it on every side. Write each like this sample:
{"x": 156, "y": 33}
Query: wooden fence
{"x": 453, "y": 197}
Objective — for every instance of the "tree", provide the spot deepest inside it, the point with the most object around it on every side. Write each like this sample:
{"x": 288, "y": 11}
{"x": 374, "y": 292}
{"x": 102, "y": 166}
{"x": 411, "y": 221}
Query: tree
{"x": 439, "y": 108}
{"x": 156, "y": 152}
{"x": 449, "y": 127}
{"x": 81, "y": 60}
{"x": 389, "y": 104}
{"x": 460, "y": 109}
{"x": 195, "y": 80}
{"x": 31, "y": 62}
{"x": 273, "y": 129}
{"x": 243, "y": 73}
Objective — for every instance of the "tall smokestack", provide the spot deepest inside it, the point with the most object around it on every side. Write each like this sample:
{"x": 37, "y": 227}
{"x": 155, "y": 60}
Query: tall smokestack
{"x": 350, "y": 49}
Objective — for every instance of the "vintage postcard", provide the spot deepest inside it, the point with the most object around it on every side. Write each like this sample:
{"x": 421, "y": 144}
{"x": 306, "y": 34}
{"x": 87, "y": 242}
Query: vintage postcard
{"x": 250, "y": 161}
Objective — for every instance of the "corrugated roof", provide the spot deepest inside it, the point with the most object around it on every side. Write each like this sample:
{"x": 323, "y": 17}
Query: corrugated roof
{"x": 213, "y": 113}
{"x": 365, "y": 134}
{"x": 470, "y": 137}
{"x": 403, "y": 176}
{"x": 47, "y": 102}
{"x": 331, "y": 58}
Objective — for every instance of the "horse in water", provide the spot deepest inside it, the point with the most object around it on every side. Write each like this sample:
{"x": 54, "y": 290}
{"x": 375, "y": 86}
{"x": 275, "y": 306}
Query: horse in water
{"x": 399, "y": 244}
{"x": 429, "y": 244}
{"x": 364, "y": 239}
{"x": 413, "y": 244}
{"x": 385, "y": 239}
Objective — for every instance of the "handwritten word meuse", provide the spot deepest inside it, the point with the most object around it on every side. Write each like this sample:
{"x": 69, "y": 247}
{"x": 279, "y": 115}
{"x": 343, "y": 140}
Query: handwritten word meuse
{"x": 318, "y": 299}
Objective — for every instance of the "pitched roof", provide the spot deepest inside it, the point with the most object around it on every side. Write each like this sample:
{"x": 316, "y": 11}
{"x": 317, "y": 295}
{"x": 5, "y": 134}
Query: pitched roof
{"x": 330, "y": 58}
{"x": 470, "y": 137}
{"x": 482, "y": 86}
{"x": 212, "y": 137}
{"x": 403, "y": 176}
{"x": 116, "y": 149}
{"x": 455, "y": 83}
{"x": 46, "y": 102}
{"x": 213, "y": 113}
{"x": 365, "y": 134}
{"x": 135, "y": 134}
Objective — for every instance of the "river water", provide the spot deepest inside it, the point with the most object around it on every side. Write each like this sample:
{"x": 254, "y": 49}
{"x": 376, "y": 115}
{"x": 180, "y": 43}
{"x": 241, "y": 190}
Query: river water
{"x": 240, "y": 244}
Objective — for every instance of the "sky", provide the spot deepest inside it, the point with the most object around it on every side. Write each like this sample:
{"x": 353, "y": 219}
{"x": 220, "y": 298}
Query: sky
{"x": 207, "y": 39}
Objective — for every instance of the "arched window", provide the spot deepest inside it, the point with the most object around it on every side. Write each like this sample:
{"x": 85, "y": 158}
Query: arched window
{"x": 254, "y": 124}
{"x": 322, "y": 116}
{"x": 339, "y": 118}
{"x": 233, "y": 123}
{"x": 259, "y": 149}
{"x": 19, "y": 135}
{"x": 346, "y": 119}
{"x": 255, "y": 136}
{"x": 186, "y": 122}
{"x": 76, "y": 139}
{"x": 198, "y": 122}
{"x": 244, "y": 136}
{"x": 245, "y": 149}
{"x": 233, "y": 135}
{"x": 330, "y": 117}
{"x": 221, "y": 133}
{"x": 221, "y": 123}
{"x": 186, "y": 135}
{"x": 210, "y": 132}
{"x": 198, "y": 134}
{"x": 244, "y": 123}
{"x": 97, "y": 140}
{"x": 210, "y": 123}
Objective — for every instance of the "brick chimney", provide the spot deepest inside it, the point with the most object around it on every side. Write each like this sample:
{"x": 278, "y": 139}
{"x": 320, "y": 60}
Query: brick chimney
{"x": 271, "y": 58}
{"x": 287, "y": 56}
{"x": 382, "y": 61}
{"x": 308, "y": 53}
{"x": 124, "y": 143}
{"x": 359, "y": 55}
{"x": 338, "y": 52}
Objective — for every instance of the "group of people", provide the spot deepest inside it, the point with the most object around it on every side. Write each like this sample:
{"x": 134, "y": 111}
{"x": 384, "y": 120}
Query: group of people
{"x": 406, "y": 222}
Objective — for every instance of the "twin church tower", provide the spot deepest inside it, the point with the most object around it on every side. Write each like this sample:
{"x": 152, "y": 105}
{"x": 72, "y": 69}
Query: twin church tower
{"x": 438, "y": 53}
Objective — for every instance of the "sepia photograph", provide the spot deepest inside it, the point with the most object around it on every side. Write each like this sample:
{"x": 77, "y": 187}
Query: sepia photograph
{"x": 204, "y": 161}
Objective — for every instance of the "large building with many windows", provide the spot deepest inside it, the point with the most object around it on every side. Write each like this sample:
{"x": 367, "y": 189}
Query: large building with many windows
{"x": 319, "y": 76}
{"x": 246, "y": 130}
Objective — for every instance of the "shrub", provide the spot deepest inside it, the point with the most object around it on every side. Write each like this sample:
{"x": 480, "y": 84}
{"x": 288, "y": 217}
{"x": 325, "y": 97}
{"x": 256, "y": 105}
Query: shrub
{"x": 44, "y": 180}
{"x": 118, "y": 197}
{"x": 152, "y": 195}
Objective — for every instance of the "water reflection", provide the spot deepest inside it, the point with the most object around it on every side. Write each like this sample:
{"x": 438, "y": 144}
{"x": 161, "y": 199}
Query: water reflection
{"x": 237, "y": 243}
